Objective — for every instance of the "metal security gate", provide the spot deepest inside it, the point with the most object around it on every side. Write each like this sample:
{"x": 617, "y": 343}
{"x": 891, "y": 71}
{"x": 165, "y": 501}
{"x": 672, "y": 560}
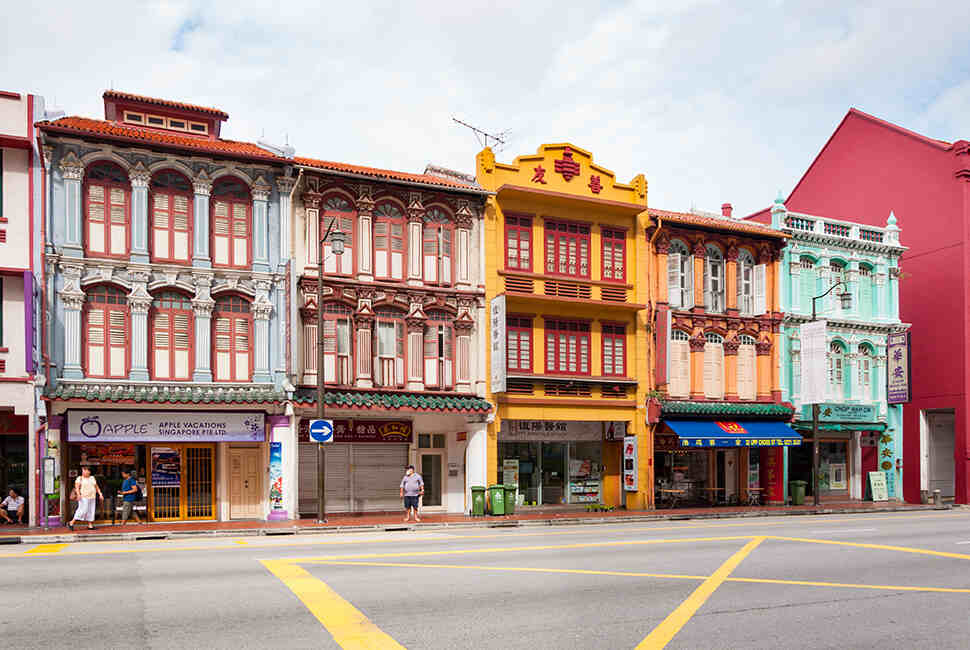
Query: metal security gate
{"x": 360, "y": 478}
{"x": 181, "y": 482}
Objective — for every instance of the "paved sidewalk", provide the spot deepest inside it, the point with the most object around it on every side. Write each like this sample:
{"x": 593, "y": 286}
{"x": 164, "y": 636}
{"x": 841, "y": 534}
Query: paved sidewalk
{"x": 365, "y": 522}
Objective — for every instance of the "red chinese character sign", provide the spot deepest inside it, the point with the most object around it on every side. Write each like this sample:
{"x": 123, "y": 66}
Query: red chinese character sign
{"x": 566, "y": 166}
{"x": 595, "y": 184}
{"x": 539, "y": 174}
{"x": 771, "y": 475}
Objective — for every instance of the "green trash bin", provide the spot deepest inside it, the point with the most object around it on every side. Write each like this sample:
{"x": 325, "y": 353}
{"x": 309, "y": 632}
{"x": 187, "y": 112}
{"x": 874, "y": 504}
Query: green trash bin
{"x": 496, "y": 499}
{"x": 797, "y": 491}
{"x": 510, "y": 499}
{"x": 478, "y": 500}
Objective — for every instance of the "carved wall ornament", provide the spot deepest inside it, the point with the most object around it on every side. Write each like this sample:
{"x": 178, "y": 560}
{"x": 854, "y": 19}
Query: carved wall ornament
{"x": 139, "y": 175}
{"x": 763, "y": 348}
{"x": 662, "y": 244}
{"x": 312, "y": 200}
{"x": 262, "y": 309}
{"x": 285, "y": 184}
{"x": 697, "y": 343}
{"x": 261, "y": 189}
{"x": 71, "y": 167}
{"x": 731, "y": 346}
{"x": 732, "y": 253}
{"x": 700, "y": 250}
{"x": 203, "y": 307}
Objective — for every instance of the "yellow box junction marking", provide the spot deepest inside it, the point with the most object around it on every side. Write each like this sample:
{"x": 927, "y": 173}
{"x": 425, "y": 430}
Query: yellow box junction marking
{"x": 46, "y": 548}
{"x": 347, "y": 625}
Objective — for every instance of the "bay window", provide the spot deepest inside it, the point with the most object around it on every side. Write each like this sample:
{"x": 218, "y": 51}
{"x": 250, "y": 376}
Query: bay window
{"x": 518, "y": 243}
{"x": 389, "y": 248}
{"x": 567, "y": 347}
{"x": 614, "y": 349}
{"x": 106, "y": 333}
{"x": 107, "y": 210}
{"x": 171, "y": 202}
{"x": 614, "y": 254}
{"x": 232, "y": 325}
{"x": 567, "y": 248}
{"x": 171, "y": 336}
{"x": 519, "y": 343}
{"x": 231, "y": 223}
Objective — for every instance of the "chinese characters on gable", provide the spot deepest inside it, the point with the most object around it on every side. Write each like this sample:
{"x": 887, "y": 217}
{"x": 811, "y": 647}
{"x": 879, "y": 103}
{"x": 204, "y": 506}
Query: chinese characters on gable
{"x": 568, "y": 168}
{"x": 566, "y": 165}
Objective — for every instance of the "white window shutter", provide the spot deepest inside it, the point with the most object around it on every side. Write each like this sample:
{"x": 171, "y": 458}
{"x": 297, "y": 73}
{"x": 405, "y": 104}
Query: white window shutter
{"x": 760, "y": 289}
{"x": 679, "y": 380}
{"x": 708, "y": 289}
{"x": 674, "y": 290}
{"x": 746, "y": 372}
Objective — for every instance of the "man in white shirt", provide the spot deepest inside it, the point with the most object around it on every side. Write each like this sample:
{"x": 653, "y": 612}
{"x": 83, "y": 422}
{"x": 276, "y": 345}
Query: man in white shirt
{"x": 13, "y": 506}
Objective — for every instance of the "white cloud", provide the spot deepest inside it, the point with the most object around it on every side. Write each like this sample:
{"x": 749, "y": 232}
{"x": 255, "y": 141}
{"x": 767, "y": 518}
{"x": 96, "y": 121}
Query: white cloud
{"x": 713, "y": 101}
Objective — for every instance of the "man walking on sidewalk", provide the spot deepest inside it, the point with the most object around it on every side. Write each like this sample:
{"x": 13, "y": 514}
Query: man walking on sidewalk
{"x": 130, "y": 493}
{"x": 412, "y": 487}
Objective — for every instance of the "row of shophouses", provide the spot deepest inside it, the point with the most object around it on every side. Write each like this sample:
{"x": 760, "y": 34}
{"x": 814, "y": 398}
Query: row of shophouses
{"x": 536, "y": 323}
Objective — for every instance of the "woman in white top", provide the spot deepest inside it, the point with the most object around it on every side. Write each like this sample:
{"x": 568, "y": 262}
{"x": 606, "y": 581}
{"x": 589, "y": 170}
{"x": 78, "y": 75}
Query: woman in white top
{"x": 86, "y": 487}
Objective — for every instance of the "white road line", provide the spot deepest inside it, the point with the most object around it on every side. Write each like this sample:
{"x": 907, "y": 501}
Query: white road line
{"x": 843, "y": 530}
{"x": 958, "y": 543}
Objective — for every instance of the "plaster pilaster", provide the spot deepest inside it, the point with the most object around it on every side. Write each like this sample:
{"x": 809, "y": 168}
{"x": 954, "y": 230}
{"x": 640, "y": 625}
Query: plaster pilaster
{"x": 200, "y": 223}
{"x": 140, "y": 178}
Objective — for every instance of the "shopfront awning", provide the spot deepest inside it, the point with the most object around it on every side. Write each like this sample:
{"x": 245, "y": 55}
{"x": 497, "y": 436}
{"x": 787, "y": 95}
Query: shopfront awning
{"x": 742, "y": 433}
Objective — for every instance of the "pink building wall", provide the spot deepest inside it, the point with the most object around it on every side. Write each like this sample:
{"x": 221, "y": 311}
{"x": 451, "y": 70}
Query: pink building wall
{"x": 867, "y": 169}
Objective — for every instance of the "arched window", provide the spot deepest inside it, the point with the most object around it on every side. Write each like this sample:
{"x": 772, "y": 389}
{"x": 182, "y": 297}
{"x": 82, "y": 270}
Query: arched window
{"x": 747, "y": 368}
{"x": 107, "y": 210}
{"x": 106, "y": 329}
{"x": 172, "y": 336}
{"x": 389, "y": 250}
{"x": 231, "y": 223}
{"x": 337, "y": 344}
{"x": 808, "y": 278}
{"x": 438, "y": 236}
{"x": 745, "y": 283}
{"x": 836, "y": 275}
{"x": 678, "y": 384}
{"x": 680, "y": 276}
{"x": 837, "y": 371}
{"x": 172, "y": 204}
{"x": 865, "y": 373}
{"x": 714, "y": 280}
{"x": 232, "y": 325}
{"x": 439, "y": 350}
{"x": 341, "y": 214}
{"x": 713, "y": 366}
{"x": 389, "y": 348}
{"x": 864, "y": 298}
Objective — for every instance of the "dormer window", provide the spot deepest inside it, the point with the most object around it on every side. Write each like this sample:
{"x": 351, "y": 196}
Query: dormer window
{"x": 176, "y": 124}
{"x": 156, "y": 120}
{"x": 198, "y": 127}
{"x": 134, "y": 118}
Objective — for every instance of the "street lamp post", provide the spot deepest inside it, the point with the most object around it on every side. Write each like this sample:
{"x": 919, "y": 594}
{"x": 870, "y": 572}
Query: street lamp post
{"x": 337, "y": 239}
{"x": 846, "y": 299}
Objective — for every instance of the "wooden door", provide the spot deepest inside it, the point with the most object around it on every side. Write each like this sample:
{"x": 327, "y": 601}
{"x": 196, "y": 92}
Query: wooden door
{"x": 244, "y": 483}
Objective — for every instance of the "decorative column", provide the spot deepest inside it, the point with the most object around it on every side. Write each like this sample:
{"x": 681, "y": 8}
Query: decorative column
{"x": 795, "y": 287}
{"x": 285, "y": 185}
{"x": 202, "y": 306}
{"x": 731, "y": 367}
{"x": 700, "y": 259}
{"x": 852, "y": 284}
{"x": 765, "y": 374}
{"x": 282, "y": 340}
{"x": 415, "y": 325}
{"x": 139, "y": 302}
{"x": 697, "y": 344}
{"x": 465, "y": 220}
{"x": 140, "y": 177}
{"x": 72, "y": 171}
{"x": 731, "y": 278}
{"x": 262, "y": 310}
{"x": 261, "y": 190}
{"x": 365, "y": 221}
{"x": 72, "y": 299}
{"x": 823, "y": 278}
{"x": 476, "y": 455}
{"x": 364, "y": 326}
{"x": 415, "y": 239}
{"x": 200, "y": 224}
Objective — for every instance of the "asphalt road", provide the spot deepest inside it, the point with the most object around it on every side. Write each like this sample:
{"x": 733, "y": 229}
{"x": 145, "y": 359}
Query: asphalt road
{"x": 887, "y": 580}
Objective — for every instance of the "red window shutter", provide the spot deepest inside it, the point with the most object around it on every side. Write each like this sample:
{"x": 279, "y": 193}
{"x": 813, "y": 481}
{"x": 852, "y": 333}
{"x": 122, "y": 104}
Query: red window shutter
{"x": 223, "y": 349}
{"x": 96, "y": 342}
{"x": 117, "y": 343}
{"x": 240, "y": 234}
{"x": 241, "y": 350}
{"x": 162, "y": 342}
{"x": 221, "y": 228}
{"x": 96, "y": 236}
{"x": 161, "y": 226}
{"x": 430, "y": 253}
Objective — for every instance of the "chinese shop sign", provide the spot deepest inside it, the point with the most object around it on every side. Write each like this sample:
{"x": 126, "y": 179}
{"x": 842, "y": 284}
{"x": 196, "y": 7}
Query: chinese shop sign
{"x": 898, "y": 388}
{"x": 364, "y": 431}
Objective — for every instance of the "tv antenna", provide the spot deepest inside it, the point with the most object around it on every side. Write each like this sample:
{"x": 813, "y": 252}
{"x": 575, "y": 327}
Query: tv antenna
{"x": 482, "y": 136}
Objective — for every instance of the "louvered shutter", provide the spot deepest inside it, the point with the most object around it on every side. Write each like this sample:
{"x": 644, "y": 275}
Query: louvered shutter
{"x": 708, "y": 289}
{"x": 619, "y": 355}
{"x": 96, "y": 338}
{"x": 446, "y": 246}
{"x": 96, "y": 219}
{"x": 713, "y": 370}
{"x": 431, "y": 356}
{"x": 223, "y": 348}
{"x": 181, "y": 227}
{"x": 746, "y": 372}
{"x": 551, "y": 350}
{"x": 512, "y": 350}
{"x": 182, "y": 339}
{"x": 865, "y": 296}
{"x": 449, "y": 357}
{"x": 221, "y": 228}
{"x": 119, "y": 221}
{"x": 327, "y": 226}
{"x": 382, "y": 248}
{"x": 607, "y": 355}
{"x": 241, "y": 341}
{"x": 240, "y": 235}
{"x": 160, "y": 225}
{"x": 430, "y": 253}
{"x": 343, "y": 351}
{"x": 760, "y": 289}
{"x": 675, "y": 294}
{"x": 347, "y": 257}
{"x": 397, "y": 250}
{"x": 399, "y": 350}
{"x": 679, "y": 385}
{"x": 162, "y": 342}
{"x": 118, "y": 343}
{"x": 329, "y": 350}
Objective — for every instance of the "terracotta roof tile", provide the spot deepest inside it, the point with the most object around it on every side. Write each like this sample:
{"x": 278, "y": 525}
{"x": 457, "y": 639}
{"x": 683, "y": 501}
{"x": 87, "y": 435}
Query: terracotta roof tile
{"x": 375, "y": 399}
{"x": 735, "y": 225}
{"x": 753, "y": 409}
{"x": 424, "y": 179}
{"x": 114, "y": 94}
{"x": 84, "y": 125}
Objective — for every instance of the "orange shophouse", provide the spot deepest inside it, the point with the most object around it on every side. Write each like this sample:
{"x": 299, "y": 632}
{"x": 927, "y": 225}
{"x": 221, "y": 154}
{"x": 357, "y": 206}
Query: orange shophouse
{"x": 564, "y": 254}
{"x": 718, "y": 422}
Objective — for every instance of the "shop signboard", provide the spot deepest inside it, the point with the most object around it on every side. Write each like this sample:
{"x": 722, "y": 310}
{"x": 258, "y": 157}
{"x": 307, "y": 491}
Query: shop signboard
{"x": 164, "y": 426}
{"x": 510, "y": 471}
{"x": 630, "y": 464}
{"x": 166, "y": 467}
{"x": 395, "y": 431}
{"x": 814, "y": 349}
{"x": 844, "y": 413}
{"x": 497, "y": 329}
{"x": 890, "y": 483}
{"x": 898, "y": 387}
{"x": 550, "y": 430}
{"x": 877, "y": 486}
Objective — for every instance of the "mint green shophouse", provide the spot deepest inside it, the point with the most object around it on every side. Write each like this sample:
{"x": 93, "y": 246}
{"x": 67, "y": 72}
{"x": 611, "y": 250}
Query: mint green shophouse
{"x": 859, "y": 432}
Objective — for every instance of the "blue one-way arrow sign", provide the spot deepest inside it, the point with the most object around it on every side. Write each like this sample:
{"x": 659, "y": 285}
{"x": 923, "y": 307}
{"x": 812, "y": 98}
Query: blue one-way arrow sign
{"x": 321, "y": 430}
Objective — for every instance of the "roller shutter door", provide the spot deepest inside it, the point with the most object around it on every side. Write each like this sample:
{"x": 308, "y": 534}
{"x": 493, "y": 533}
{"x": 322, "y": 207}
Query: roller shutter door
{"x": 376, "y": 476}
{"x": 338, "y": 478}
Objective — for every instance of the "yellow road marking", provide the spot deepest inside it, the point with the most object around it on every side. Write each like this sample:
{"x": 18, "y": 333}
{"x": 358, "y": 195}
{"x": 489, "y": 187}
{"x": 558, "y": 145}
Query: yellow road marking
{"x": 46, "y": 548}
{"x": 242, "y": 542}
{"x": 880, "y": 547}
{"x": 347, "y": 624}
{"x": 663, "y": 633}
{"x": 846, "y": 585}
{"x": 588, "y": 572}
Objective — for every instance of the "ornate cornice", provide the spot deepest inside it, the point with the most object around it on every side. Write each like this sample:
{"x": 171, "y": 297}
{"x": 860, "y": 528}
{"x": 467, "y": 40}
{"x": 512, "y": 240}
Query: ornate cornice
{"x": 285, "y": 185}
{"x": 261, "y": 189}
{"x": 697, "y": 343}
{"x": 312, "y": 200}
{"x": 202, "y": 184}
{"x": 731, "y": 346}
{"x": 262, "y": 309}
{"x": 763, "y": 348}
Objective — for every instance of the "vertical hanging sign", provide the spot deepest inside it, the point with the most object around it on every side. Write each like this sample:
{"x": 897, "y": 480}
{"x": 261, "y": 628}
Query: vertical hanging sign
{"x": 630, "y": 465}
{"x": 497, "y": 329}
{"x": 276, "y": 475}
{"x": 898, "y": 386}
{"x": 814, "y": 362}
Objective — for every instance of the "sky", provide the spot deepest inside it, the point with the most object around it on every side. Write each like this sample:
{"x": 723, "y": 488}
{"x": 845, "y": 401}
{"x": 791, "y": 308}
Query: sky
{"x": 713, "y": 101}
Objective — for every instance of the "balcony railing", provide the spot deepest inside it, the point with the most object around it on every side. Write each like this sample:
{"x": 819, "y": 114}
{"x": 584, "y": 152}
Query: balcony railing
{"x": 841, "y": 229}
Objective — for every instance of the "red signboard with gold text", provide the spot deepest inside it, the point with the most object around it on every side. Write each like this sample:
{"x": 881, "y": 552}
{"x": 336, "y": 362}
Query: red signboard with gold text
{"x": 398, "y": 431}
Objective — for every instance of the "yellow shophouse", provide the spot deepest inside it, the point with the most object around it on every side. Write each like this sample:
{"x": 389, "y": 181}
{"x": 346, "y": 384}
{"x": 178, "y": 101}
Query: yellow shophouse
{"x": 565, "y": 259}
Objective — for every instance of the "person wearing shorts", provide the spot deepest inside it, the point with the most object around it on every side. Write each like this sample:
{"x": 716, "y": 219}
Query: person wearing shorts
{"x": 130, "y": 492}
{"x": 412, "y": 487}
